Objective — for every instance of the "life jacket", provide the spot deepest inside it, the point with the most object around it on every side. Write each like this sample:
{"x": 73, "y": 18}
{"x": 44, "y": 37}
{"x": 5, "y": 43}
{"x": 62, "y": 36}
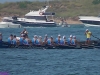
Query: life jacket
{"x": 49, "y": 42}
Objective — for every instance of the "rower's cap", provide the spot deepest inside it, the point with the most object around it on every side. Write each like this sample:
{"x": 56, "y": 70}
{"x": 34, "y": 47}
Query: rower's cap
{"x": 46, "y": 35}
{"x": 64, "y": 36}
{"x": 59, "y": 35}
{"x": 74, "y": 36}
{"x": 71, "y": 36}
{"x": 35, "y": 35}
{"x": 86, "y": 29}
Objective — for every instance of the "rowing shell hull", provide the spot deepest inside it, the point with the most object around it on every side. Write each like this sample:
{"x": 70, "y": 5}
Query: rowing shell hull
{"x": 50, "y": 47}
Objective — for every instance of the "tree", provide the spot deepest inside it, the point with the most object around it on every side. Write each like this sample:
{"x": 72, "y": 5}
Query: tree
{"x": 96, "y": 1}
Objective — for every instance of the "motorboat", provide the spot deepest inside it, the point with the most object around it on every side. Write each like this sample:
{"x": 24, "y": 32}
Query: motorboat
{"x": 90, "y": 20}
{"x": 7, "y": 23}
{"x": 36, "y": 19}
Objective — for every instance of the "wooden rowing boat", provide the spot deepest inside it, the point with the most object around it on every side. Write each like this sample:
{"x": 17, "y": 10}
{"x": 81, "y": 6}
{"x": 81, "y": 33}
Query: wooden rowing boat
{"x": 94, "y": 44}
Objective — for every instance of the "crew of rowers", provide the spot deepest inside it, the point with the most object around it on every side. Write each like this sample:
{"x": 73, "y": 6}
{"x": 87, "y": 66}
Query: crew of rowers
{"x": 37, "y": 40}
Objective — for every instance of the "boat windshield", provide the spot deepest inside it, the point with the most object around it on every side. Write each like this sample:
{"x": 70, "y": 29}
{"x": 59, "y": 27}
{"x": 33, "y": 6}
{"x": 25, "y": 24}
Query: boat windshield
{"x": 37, "y": 17}
{"x": 6, "y": 20}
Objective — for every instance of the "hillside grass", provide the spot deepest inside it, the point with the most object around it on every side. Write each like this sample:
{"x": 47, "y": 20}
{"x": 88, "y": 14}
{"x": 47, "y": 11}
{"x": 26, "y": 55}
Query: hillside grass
{"x": 62, "y": 8}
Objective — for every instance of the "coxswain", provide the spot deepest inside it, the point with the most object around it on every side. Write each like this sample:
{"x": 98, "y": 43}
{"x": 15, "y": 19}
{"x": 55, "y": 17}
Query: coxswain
{"x": 24, "y": 32}
{"x": 74, "y": 41}
{"x": 45, "y": 39}
{"x": 0, "y": 38}
{"x": 69, "y": 40}
{"x": 58, "y": 39}
{"x": 10, "y": 39}
{"x": 88, "y": 36}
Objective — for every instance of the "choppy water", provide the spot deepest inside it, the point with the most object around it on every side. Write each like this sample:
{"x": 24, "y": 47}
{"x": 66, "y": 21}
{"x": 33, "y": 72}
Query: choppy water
{"x": 51, "y": 62}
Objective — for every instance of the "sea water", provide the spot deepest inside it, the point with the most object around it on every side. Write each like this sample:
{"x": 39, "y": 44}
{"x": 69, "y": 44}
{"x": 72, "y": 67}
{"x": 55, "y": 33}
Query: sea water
{"x": 52, "y": 61}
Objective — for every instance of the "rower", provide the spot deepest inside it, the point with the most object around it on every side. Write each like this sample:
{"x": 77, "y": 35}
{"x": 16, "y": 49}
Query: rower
{"x": 21, "y": 39}
{"x": 14, "y": 40}
{"x": 35, "y": 40}
{"x": 69, "y": 40}
{"x": 45, "y": 39}
{"x": 63, "y": 40}
{"x": 74, "y": 41}
{"x": 50, "y": 41}
{"x": 58, "y": 39}
{"x": 88, "y": 36}
{"x": 24, "y": 32}
{"x": 0, "y": 38}
{"x": 10, "y": 39}
{"x": 40, "y": 40}
{"x": 26, "y": 40}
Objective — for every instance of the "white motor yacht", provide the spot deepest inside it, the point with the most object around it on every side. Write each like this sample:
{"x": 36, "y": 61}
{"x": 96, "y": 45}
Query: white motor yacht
{"x": 36, "y": 19}
{"x": 90, "y": 20}
{"x": 7, "y": 23}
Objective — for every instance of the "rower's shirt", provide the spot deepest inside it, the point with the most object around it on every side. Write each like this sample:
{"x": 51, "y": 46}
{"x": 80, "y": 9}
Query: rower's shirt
{"x": 73, "y": 42}
{"x": 14, "y": 41}
{"x": 45, "y": 39}
{"x": 69, "y": 41}
{"x": 37, "y": 42}
{"x": 33, "y": 41}
{"x": 21, "y": 40}
{"x": 58, "y": 41}
{"x": 25, "y": 42}
{"x": 10, "y": 41}
{"x": 49, "y": 41}
{"x": 88, "y": 34}
{"x": 62, "y": 41}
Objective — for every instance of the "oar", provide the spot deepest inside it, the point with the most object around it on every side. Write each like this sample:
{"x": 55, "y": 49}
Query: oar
{"x": 96, "y": 37}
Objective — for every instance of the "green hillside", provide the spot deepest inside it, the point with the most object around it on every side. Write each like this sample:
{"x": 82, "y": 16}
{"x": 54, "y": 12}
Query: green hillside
{"x": 62, "y": 8}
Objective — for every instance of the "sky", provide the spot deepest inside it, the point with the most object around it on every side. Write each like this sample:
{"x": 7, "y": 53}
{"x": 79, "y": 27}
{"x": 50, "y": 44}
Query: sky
{"x": 3, "y": 1}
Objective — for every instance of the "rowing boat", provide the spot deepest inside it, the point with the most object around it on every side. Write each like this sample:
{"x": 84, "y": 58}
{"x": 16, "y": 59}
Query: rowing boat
{"x": 94, "y": 44}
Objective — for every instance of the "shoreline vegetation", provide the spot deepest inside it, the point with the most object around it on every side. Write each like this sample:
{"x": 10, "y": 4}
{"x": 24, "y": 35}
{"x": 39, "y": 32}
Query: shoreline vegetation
{"x": 69, "y": 10}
